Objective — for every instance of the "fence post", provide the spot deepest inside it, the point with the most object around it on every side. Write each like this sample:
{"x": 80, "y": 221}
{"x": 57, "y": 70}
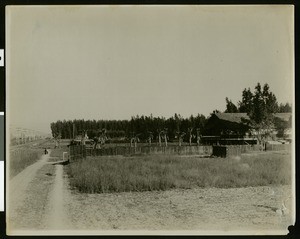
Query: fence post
{"x": 84, "y": 151}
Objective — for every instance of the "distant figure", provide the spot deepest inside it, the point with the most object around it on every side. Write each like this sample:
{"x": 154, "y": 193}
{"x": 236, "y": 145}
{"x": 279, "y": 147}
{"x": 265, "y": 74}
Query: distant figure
{"x": 46, "y": 151}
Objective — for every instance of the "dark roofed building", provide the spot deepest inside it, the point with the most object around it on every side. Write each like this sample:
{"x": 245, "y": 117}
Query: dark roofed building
{"x": 233, "y": 128}
{"x": 232, "y": 117}
{"x": 227, "y": 124}
{"x": 228, "y": 128}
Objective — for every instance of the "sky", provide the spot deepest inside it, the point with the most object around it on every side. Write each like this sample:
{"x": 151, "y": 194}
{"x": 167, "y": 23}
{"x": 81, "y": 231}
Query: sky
{"x": 113, "y": 62}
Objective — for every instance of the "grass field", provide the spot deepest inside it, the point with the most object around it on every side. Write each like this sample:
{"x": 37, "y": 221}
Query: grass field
{"x": 22, "y": 158}
{"x": 147, "y": 173}
{"x": 23, "y": 155}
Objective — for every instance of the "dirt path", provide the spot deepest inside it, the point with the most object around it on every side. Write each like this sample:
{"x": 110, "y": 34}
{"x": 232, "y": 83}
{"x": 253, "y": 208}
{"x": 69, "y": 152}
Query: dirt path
{"x": 19, "y": 183}
{"x": 17, "y": 192}
{"x": 58, "y": 216}
{"x": 36, "y": 199}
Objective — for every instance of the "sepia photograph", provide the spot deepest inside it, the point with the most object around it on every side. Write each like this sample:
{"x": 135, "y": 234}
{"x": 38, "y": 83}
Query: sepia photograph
{"x": 150, "y": 120}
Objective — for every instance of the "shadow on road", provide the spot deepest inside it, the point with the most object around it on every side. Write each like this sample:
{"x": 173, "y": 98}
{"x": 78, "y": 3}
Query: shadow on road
{"x": 63, "y": 162}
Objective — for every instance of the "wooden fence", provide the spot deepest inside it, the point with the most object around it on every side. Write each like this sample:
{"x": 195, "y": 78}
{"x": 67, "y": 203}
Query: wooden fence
{"x": 80, "y": 151}
{"x": 77, "y": 152}
{"x": 183, "y": 150}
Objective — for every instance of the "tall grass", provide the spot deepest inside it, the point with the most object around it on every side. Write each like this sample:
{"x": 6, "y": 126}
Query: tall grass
{"x": 22, "y": 158}
{"x": 118, "y": 174}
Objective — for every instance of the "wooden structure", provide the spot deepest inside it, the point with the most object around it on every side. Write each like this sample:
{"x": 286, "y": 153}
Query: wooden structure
{"x": 228, "y": 129}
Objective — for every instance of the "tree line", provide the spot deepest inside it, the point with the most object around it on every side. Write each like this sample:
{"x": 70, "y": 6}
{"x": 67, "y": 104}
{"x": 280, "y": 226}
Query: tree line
{"x": 259, "y": 105}
{"x": 141, "y": 127}
{"x": 261, "y": 101}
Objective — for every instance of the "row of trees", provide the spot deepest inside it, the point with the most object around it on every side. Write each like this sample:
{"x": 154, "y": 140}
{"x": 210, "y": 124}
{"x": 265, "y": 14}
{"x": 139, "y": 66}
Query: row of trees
{"x": 259, "y": 105}
{"x": 138, "y": 128}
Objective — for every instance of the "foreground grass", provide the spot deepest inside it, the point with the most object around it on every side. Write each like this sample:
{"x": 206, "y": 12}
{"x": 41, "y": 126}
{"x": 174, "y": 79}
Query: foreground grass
{"x": 22, "y": 158}
{"x": 119, "y": 174}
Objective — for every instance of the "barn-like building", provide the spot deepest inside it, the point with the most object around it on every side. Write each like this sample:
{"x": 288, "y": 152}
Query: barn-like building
{"x": 233, "y": 128}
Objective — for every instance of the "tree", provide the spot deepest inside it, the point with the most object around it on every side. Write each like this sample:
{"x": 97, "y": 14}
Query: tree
{"x": 281, "y": 126}
{"x": 230, "y": 107}
{"x": 57, "y": 139}
{"x": 134, "y": 140}
{"x": 84, "y": 137}
{"x": 190, "y": 134}
{"x": 285, "y": 108}
{"x": 159, "y": 135}
{"x": 150, "y": 137}
{"x": 180, "y": 136}
{"x": 246, "y": 105}
{"x": 165, "y": 136}
{"x": 100, "y": 139}
{"x": 261, "y": 116}
{"x": 270, "y": 100}
{"x": 198, "y": 136}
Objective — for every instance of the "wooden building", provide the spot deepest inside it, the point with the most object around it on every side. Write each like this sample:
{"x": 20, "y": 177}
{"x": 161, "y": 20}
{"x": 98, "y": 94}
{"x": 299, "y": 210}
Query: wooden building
{"x": 234, "y": 128}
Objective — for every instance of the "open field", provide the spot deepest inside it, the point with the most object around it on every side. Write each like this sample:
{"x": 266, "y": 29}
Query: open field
{"x": 221, "y": 204}
{"x": 149, "y": 173}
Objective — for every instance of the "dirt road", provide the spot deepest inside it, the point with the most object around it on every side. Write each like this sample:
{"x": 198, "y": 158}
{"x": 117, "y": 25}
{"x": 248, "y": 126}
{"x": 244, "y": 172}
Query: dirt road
{"x": 41, "y": 202}
{"x": 36, "y": 198}
{"x": 58, "y": 215}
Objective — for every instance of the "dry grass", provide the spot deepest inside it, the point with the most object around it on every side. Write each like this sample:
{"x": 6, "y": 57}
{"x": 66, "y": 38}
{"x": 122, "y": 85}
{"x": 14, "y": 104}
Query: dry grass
{"x": 147, "y": 173}
{"x": 22, "y": 158}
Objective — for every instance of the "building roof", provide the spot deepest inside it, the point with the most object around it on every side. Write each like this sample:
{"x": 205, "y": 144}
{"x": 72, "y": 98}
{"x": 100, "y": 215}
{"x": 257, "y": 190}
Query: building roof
{"x": 232, "y": 117}
{"x": 237, "y": 117}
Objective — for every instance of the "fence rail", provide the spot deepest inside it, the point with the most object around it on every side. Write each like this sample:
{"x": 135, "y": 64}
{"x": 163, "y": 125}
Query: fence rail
{"x": 80, "y": 151}
{"x": 183, "y": 150}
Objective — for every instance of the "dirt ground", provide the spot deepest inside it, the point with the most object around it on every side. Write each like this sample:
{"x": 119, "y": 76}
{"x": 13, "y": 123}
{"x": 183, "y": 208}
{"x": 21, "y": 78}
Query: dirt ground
{"x": 41, "y": 202}
{"x": 248, "y": 210}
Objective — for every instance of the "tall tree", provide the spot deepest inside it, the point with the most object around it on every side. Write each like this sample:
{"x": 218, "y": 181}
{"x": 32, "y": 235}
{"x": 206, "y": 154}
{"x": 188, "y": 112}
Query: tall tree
{"x": 246, "y": 105}
{"x": 230, "y": 107}
{"x": 261, "y": 116}
{"x": 282, "y": 126}
{"x": 270, "y": 100}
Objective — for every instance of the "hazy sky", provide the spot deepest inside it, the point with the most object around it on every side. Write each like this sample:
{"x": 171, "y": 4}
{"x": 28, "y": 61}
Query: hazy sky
{"x": 113, "y": 62}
